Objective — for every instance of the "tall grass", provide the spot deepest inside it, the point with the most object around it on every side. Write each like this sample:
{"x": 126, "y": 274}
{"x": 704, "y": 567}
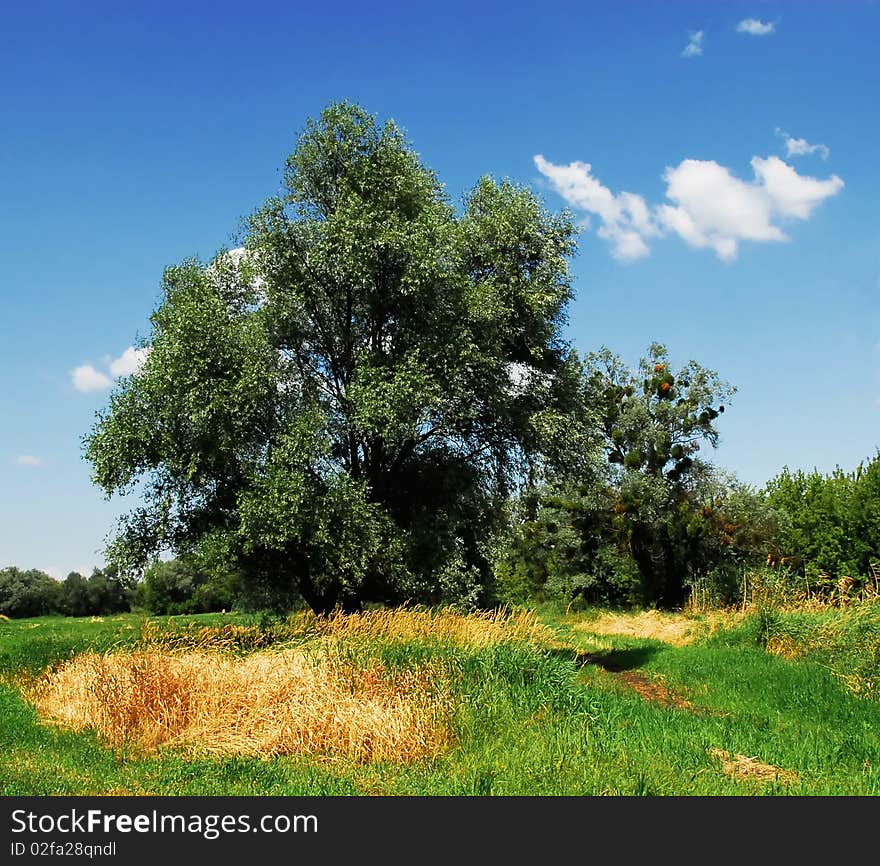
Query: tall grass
{"x": 846, "y": 640}
{"x": 386, "y": 625}
{"x": 779, "y": 587}
{"x": 368, "y": 687}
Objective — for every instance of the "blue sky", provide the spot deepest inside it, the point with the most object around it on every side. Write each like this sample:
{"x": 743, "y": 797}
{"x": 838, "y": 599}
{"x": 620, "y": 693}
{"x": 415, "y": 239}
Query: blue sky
{"x": 136, "y": 135}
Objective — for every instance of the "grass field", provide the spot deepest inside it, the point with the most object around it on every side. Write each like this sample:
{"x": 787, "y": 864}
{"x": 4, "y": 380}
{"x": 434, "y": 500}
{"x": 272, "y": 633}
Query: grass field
{"x": 415, "y": 702}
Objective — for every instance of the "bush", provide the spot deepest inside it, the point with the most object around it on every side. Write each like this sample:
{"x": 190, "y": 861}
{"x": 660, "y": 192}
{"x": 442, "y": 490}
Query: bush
{"x": 832, "y": 528}
{"x": 562, "y": 545}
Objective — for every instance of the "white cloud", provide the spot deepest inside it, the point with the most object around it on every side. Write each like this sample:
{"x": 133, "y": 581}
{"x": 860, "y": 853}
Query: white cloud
{"x": 240, "y": 257}
{"x": 130, "y": 361}
{"x": 754, "y": 27}
{"x": 802, "y": 147}
{"x": 236, "y": 255}
{"x": 707, "y": 207}
{"x": 626, "y": 218}
{"x": 524, "y": 377}
{"x": 791, "y": 194}
{"x": 694, "y": 48}
{"x": 86, "y": 378}
{"x": 713, "y": 208}
{"x": 29, "y": 460}
{"x": 53, "y": 571}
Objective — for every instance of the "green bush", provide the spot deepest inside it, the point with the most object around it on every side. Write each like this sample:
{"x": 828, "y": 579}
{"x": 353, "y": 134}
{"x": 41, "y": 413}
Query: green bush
{"x": 832, "y": 527}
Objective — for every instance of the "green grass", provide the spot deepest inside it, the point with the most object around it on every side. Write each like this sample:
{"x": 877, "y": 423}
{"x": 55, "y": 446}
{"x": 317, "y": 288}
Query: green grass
{"x": 527, "y": 720}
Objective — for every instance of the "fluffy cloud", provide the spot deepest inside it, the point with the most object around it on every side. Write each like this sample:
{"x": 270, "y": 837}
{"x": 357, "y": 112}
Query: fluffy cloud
{"x": 802, "y": 147}
{"x": 694, "y": 48}
{"x": 754, "y": 27}
{"x": 130, "y": 361}
{"x": 713, "y": 208}
{"x": 708, "y": 206}
{"x": 791, "y": 194}
{"x": 28, "y": 460}
{"x": 626, "y": 218}
{"x": 86, "y": 378}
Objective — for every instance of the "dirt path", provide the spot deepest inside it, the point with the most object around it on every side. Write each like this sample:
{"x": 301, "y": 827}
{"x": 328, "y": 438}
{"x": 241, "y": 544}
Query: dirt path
{"x": 653, "y": 690}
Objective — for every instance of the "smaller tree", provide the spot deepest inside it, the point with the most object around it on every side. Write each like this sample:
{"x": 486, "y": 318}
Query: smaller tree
{"x": 653, "y": 423}
{"x": 563, "y": 544}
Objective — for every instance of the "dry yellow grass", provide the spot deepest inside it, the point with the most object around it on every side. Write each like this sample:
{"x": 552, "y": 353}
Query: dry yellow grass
{"x": 292, "y": 688}
{"x": 678, "y": 629}
{"x": 269, "y": 703}
{"x": 742, "y": 767}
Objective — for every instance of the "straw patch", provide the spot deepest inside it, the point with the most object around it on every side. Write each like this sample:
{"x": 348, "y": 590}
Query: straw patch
{"x": 672, "y": 628}
{"x": 269, "y": 703}
{"x": 741, "y": 767}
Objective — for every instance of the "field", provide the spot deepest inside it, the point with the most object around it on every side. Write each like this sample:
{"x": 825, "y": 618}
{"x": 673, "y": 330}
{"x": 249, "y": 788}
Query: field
{"x": 542, "y": 702}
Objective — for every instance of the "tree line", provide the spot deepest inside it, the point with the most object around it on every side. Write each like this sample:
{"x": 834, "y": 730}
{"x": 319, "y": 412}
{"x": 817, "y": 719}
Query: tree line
{"x": 571, "y": 542}
{"x": 167, "y": 587}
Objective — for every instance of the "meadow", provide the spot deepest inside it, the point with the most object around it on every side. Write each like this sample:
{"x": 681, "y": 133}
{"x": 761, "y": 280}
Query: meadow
{"x": 545, "y": 701}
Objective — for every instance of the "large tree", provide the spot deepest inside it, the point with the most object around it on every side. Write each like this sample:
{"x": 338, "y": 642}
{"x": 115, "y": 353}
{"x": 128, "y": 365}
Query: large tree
{"x": 339, "y": 409}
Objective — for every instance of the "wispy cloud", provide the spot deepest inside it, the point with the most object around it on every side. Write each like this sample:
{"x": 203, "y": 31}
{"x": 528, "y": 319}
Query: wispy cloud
{"x": 755, "y": 27}
{"x": 707, "y": 205}
{"x": 29, "y": 460}
{"x": 86, "y": 379}
{"x": 802, "y": 147}
{"x": 625, "y": 217}
{"x": 694, "y": 48}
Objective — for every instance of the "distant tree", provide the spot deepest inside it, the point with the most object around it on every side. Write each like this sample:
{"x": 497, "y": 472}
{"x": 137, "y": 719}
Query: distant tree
{"x": 28, "y": 593}
{"x": 75, "y": 595}
{"x": 169, "y": 586}
{"x": 108, "y": 591}
{"x": 340, "y": 412}
{"x": 100, "y": 594}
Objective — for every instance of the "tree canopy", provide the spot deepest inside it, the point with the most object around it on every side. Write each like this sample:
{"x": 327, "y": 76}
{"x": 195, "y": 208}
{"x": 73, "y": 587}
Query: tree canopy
{"x": 340, "y": 408}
